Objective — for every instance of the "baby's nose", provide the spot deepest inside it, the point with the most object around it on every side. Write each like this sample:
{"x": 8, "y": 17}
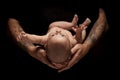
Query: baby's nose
{"x": 58, "y": 31}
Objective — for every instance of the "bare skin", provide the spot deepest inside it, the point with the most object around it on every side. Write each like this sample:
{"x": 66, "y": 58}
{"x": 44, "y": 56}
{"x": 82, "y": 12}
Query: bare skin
{"x": 58, "y": 40}
{"x": 98, "y": 29}
{"x": 59, "y": 34}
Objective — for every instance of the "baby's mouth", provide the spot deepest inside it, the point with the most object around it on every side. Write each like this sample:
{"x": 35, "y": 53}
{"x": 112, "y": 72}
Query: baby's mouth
{"x": 58, "y": 35}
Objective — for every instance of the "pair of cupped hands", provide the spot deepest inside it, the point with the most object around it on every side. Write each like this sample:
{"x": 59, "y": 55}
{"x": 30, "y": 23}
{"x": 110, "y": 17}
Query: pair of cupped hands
{"x": 76, "y": 50}
{"x": 79, "y": 50}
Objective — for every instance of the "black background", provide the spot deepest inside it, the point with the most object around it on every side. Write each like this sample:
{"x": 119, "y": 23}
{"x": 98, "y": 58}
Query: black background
{"x": 35, "y": 17}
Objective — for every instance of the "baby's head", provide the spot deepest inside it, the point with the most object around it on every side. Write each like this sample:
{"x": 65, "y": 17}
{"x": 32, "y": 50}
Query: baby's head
{"x": 58, "y": 47}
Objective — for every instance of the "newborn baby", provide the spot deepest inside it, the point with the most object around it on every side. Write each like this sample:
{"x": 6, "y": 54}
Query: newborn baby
{"x": 59, "y": 48}
{"x": 59, "y": 41}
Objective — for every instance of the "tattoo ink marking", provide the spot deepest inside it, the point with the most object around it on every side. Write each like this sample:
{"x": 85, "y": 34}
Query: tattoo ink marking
{"x": 92, "y": 37}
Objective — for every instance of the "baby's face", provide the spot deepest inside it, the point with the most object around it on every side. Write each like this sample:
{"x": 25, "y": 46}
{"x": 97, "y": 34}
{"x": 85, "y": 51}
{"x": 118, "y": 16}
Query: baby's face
{"x": 58, "y": 46}
{"x": 57, "y": 32}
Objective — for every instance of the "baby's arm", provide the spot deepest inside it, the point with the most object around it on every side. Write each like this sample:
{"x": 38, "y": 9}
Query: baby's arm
{"x": 65, "y": 24}
{"x": 36, "y": 39}
{"x": 19, "y": 36}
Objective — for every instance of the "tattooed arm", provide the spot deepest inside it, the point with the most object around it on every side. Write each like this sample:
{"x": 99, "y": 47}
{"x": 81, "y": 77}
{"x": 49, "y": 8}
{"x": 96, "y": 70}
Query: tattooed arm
{"x": 25, "y": 43}
{"x": 80, "y": 50}
{"x": 99, "y": 28}
{"x": 15, "y": 31}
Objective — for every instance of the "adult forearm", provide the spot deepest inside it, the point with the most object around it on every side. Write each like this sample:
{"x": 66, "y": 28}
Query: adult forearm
{"x": 97, "y": 30}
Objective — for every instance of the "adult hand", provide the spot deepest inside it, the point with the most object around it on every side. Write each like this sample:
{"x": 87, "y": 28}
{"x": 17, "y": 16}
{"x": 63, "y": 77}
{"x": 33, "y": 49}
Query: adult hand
{"x": 99, "y": 27}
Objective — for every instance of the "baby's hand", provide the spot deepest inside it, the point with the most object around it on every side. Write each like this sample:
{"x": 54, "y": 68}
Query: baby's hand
{"x": 23, "y": 39}
{"x": 21, "y": 36}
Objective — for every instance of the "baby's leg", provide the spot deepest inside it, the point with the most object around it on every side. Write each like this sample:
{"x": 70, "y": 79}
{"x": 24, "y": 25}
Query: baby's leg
{"x": 81, "y": 30}
{"x": 65, "y": 24}
{"x": 75, "y": 20}
{"x": 83, "y": 27}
